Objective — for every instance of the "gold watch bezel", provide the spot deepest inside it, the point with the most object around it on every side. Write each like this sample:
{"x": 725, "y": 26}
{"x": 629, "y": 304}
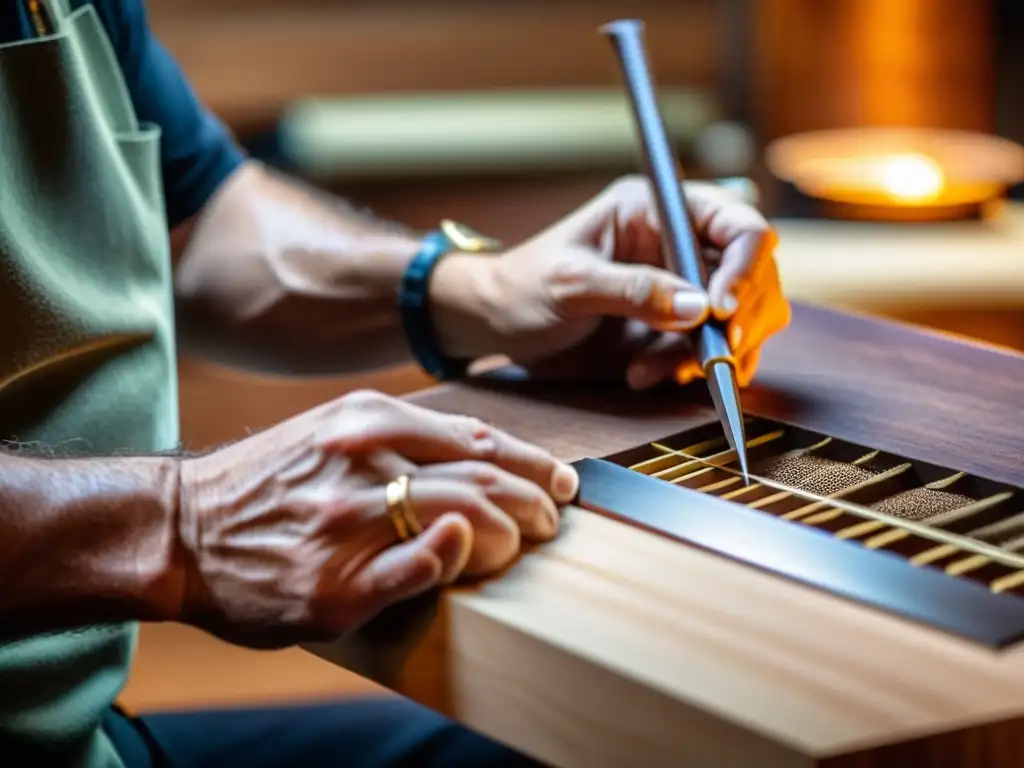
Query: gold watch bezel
{"x": 467, "y": 239}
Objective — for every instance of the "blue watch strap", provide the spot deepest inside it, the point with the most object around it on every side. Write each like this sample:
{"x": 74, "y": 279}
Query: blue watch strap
{"x": 413, "y": 304}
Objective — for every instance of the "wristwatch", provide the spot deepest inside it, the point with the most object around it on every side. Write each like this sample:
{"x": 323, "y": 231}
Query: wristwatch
{"x": 414, "y": 295}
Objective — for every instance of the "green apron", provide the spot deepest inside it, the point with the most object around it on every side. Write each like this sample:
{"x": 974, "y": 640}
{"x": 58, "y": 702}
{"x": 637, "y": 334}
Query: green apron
{"x": 87, "y": 360}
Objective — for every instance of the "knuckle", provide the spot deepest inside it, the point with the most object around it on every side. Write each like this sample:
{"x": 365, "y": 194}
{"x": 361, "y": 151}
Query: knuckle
{"x": 366, "y": 418}
{"x": 572, "y": 271}
{"x": 357, "y": 431}
{"x": 483, "y": 475}
{"x": 573, "y": 278}
{"x": 363, "y": 399}
{"x": 642, "y": 287}
{"x": 475, "y": 425}
{"x": 630, "y": 187}
{"x": 479, "y": 438}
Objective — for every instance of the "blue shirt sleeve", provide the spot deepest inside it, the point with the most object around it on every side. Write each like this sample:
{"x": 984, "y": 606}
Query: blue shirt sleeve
{"x": 197, "y": 150}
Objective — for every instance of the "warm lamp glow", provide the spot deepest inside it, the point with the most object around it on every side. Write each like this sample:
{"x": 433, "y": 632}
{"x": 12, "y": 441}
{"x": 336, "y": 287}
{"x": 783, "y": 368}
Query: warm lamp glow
{"x": 898, "y": 169}
{"x": 912, "y": 178}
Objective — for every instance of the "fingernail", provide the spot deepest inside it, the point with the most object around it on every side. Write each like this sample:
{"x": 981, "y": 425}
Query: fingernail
{"x": 457, "y": 550}
{"x": 566, "y": 482}
{"x": 727, "y": 308}
{"x": 690, "y": 306}
{"x": 735, "y": 337}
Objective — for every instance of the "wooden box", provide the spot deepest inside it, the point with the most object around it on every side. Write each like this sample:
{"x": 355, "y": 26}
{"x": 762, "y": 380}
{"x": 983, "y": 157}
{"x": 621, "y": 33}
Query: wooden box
{"x": 698, "y": 631}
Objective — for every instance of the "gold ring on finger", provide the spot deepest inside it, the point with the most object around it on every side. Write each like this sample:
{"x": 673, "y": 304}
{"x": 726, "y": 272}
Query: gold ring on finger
{"x": 400, "y": 511}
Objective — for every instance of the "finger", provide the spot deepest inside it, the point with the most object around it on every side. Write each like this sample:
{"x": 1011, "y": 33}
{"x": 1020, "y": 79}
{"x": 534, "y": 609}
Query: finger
{"x": 747, "y": 361}
{"x": 739, "y": 230}
{"x": 388, "y": 465}
{"x": 595, "y": 288}
{"x": 496, "y": 537}
{"x": 406, "y": 570}
{"x": 688, "y": 371}
{"x": 746, "y": 368}
{"x": 532, "y": 508}
{"x": 762, "y": 279}
{"x": 659, "y": 361}
{"x": 739, "y": 262}
{"x": 425, "y": 436}
{"x": 525, "y": 502}
{"x": 723, "y": 221}
{"x": 741, "y": 331}
{"x": 638, "y": 239}
{"x": 767, "y": 316}
{"x": 452, "y": 541}
{"x": 623, "y": 199}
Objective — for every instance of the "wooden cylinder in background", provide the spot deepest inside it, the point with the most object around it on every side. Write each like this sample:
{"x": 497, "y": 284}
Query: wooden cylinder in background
{"x": 835, "y": 63}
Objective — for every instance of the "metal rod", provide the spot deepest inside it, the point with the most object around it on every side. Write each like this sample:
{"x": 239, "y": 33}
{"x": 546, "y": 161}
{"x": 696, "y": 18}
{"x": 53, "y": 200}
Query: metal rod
{"x": 681, "y": 246}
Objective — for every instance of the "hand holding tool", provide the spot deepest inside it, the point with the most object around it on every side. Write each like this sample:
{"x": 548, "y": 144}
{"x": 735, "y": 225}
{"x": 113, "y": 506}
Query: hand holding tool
{"x": 680, "y": 244}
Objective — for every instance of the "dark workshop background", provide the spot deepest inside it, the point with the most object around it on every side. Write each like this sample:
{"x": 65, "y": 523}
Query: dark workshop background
{"x": 740, "y": 73}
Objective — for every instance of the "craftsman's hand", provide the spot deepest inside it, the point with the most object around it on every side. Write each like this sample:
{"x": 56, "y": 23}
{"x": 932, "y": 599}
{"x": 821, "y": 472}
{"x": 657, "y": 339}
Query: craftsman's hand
{"x": 285, "y": 535}
{"x": 588, "y": 297}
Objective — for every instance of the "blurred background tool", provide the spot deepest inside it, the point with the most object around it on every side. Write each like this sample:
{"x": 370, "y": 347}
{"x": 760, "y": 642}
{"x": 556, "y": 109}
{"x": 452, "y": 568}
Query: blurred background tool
{"x": 515, "y": 132}
{"x": 681, "y": 247}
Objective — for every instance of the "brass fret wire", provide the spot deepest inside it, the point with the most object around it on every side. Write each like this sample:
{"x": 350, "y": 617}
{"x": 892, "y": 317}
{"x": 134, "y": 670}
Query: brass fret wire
{"x": 973, "y": 563}
{"x": 947, "y": 543}
{"x": 1008, "y": 582}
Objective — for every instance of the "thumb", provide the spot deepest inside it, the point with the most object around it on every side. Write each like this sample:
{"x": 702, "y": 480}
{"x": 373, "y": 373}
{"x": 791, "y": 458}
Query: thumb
{"x": 638, "y": 292}
{"x": 435, "y": 558}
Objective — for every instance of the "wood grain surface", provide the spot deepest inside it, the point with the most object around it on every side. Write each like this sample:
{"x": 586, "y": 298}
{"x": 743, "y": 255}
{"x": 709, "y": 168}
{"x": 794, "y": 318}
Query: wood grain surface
{"x": 910, "y": 391}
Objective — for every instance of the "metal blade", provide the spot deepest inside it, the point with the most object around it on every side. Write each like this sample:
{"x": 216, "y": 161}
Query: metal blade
{"x": 724, "y": 392}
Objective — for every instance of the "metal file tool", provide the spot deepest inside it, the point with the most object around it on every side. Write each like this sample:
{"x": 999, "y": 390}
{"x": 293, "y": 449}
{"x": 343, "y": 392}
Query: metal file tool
{"x": 679, "y": 240}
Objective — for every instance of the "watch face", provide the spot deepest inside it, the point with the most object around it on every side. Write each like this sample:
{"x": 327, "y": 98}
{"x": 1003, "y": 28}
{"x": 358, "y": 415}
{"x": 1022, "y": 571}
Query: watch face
{"x": 466, "y": 239}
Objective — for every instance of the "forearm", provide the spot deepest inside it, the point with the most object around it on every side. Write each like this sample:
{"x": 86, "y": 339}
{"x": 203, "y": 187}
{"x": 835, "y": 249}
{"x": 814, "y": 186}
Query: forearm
{"x": 299, "y": 281}
{"x": 86, "y": 541}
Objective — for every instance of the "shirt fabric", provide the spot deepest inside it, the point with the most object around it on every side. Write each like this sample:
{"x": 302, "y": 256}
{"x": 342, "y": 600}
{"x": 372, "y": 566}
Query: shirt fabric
{"x": 197, "y": 152}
